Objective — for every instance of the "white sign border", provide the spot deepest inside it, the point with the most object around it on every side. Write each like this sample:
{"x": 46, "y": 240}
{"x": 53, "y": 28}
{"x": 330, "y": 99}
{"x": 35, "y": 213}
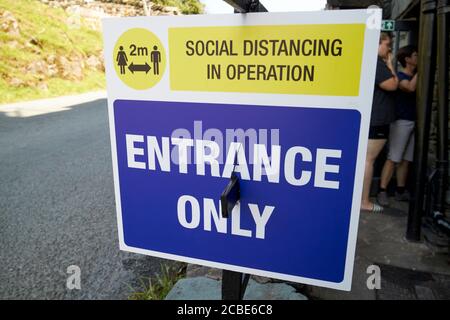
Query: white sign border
{"x": 161, "y": 92}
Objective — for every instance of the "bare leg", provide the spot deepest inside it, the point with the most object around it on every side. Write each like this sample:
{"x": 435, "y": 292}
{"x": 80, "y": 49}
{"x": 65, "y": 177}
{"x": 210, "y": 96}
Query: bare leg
{"x": 387, "y": 173}
{"x": 374, "y": 148}
{"x": 402, "y": 173}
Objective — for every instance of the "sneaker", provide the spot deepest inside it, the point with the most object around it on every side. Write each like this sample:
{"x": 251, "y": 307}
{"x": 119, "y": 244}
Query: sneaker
{"x": 383, "y": 199}
{"x": 375, "y": 209}
{"x": 405, "y": 196}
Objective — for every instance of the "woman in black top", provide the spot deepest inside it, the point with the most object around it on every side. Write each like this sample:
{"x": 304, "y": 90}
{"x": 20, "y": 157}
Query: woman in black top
{"x": 383, "y": 113}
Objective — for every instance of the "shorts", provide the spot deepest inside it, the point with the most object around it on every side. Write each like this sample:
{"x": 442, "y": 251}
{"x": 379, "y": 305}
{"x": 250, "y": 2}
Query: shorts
{"x": 379, "y": 132}
{"x": 401, "y": 141}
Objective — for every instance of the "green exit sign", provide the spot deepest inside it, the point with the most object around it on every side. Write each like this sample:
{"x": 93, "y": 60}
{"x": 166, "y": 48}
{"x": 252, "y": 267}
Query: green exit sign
{"x": 388, "y": 25}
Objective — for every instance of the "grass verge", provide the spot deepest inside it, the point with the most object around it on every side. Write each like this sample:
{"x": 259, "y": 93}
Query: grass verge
{"x": 158, "y": 287}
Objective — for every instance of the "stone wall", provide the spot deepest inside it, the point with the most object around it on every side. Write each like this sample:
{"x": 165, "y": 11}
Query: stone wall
{"x": 361, "y": 4}
{"x": 399, "y": 6}
{"x": 92, "y": 11}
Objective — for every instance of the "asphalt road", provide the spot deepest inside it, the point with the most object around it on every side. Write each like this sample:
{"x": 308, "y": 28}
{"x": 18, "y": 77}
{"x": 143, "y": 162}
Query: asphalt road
{"x": 57, "y": 208}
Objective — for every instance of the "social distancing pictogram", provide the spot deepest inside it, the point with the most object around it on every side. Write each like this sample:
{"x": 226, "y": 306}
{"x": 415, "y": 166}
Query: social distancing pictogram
{"x": 139, "y": 58}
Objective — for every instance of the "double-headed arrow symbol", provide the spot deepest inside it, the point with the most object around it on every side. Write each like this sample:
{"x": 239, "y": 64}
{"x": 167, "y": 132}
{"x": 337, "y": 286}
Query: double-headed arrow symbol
{"x": 139, "y": 67}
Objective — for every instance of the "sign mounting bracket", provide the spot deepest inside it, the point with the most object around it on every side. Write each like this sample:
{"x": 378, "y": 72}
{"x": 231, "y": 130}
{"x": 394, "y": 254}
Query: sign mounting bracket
{"x": 235, "y": 283}
{"x": 245, "y": 6}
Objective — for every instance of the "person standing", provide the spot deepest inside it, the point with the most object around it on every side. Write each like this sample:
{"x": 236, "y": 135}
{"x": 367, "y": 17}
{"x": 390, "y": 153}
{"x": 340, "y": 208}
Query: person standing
{"x": 155, "y": 57}
{"x": 122, "y": 60}
{"x": 401, "y": 140}
{"x": 383, "y": 114}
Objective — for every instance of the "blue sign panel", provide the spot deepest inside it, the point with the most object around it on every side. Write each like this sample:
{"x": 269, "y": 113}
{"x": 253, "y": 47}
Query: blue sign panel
{"x": 294, "y": 213}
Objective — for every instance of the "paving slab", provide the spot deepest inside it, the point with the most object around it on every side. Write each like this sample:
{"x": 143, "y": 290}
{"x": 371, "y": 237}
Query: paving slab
{"x": 203, "y": 288}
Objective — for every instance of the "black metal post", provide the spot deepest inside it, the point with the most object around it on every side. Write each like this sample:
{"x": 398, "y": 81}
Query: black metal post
{"x": 235, "y": 283}
{"x": 443, "y": 9}
{"x": 244, "y": 6}
{"x": 426, "y": 70}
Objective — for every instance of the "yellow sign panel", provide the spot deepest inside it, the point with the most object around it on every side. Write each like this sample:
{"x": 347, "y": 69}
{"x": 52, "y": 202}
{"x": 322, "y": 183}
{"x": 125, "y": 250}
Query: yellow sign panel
{"x": 287, "y": 59}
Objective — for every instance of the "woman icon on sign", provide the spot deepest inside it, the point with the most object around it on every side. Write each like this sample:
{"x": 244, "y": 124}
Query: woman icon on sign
{"x": 121, "y": 60}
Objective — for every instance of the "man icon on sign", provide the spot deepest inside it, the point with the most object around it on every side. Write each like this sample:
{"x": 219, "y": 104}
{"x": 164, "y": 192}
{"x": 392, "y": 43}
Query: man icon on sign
{"x": 155, "y": 57}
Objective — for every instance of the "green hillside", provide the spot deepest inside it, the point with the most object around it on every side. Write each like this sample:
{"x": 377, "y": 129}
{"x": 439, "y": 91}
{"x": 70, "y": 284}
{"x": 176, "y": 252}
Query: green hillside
{"x": 186, "y": 6}
{"x": 44, "y": 54}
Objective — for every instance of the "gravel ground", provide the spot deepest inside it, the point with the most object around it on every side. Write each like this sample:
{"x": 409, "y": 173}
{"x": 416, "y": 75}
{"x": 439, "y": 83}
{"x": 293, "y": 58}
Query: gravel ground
{"x": 57, "y": 209}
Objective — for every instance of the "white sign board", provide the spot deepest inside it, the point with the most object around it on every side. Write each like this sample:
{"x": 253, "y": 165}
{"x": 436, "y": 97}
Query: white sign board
{"x": 282, "y": 99}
